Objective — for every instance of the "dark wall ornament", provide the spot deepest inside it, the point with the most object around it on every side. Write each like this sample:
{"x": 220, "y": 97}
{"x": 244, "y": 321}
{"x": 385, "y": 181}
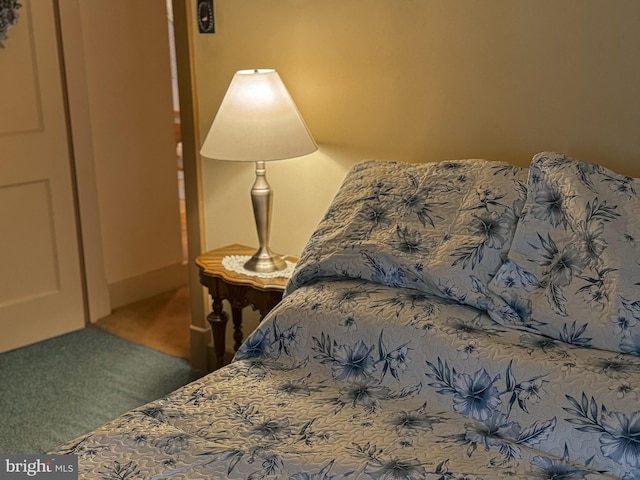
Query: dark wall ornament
{"x": 8, "y": 17}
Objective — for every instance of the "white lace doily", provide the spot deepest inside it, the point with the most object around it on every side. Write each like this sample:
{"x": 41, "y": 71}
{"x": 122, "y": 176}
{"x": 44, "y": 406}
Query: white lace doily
{"x": 235, "y": 263}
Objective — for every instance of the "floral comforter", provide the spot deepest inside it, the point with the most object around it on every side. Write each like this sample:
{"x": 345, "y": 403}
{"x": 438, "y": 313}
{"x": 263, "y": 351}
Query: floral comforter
{"x": 383, "y": 363}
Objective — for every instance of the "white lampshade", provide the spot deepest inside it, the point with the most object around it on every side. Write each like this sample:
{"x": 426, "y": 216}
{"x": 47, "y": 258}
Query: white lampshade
{"x": 257, "y": 121}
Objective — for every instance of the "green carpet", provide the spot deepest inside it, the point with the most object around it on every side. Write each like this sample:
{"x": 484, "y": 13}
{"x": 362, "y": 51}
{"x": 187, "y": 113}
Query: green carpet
{"x": 55, "y": 390}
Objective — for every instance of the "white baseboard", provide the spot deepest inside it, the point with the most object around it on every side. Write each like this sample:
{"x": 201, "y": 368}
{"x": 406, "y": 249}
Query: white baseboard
{"x": 130, "y": 290}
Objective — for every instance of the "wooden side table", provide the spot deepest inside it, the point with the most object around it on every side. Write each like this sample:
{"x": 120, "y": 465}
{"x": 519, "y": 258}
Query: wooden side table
{"x": 239, "y": 290}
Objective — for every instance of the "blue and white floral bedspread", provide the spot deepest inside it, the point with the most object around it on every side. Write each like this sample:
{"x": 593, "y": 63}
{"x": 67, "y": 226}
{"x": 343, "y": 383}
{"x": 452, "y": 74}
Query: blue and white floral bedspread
{"x": 380, "y": 365}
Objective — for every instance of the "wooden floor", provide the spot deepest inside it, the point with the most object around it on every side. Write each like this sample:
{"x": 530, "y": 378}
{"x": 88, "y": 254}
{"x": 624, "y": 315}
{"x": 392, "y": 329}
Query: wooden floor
{"x": 161, "y": 322}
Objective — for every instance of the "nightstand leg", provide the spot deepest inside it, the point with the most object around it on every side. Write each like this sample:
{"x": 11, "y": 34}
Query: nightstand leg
{"x": 236, "y": 315}
{"x": 218, "y": 321}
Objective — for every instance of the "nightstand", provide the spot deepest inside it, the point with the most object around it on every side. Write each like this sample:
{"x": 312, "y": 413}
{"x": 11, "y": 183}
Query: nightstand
{"x": 239, "y": 290}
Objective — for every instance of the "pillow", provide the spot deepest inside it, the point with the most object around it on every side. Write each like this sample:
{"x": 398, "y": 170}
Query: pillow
{"x": 573, "y": 271}
{"x": 442, "y": 228}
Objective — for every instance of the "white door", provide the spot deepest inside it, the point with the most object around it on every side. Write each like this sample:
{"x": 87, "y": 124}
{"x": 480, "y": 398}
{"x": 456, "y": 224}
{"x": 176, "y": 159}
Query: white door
{"x": 40, "y": 278}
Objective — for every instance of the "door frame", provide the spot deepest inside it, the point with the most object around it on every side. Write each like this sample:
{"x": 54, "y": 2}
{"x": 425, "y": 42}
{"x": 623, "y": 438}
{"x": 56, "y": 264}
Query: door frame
{"x": 183, "y": 23}
{"x": 97, "y": 297}
{"x": 96, "y": 290}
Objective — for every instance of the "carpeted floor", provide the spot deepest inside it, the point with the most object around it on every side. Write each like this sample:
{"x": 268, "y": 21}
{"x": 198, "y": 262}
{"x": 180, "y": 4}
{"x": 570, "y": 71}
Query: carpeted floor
{"x": 55, "y": 390}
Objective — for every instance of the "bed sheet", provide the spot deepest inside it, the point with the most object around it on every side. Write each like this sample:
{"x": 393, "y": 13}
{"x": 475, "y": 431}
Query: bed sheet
{"x": 351, "y": 379}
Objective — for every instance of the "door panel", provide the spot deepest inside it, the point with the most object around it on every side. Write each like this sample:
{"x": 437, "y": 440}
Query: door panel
{"x": 40, "y": 280}
{"x": 31, "y": 232}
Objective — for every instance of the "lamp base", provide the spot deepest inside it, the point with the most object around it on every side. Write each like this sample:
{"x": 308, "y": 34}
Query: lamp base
{"x": 264, "y": 261}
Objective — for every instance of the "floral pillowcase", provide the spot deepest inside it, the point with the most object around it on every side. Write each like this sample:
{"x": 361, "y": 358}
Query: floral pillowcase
{"x": 441, "y": 228}
{"x": 573, "y": 270}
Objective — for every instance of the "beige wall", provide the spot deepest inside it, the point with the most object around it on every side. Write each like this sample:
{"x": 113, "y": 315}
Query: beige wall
{"x": 420, "y": 80}
{"x": 130, "y": 111}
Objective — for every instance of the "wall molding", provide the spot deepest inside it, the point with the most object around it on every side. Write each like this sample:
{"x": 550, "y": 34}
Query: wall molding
{"x": 202, "y": 353}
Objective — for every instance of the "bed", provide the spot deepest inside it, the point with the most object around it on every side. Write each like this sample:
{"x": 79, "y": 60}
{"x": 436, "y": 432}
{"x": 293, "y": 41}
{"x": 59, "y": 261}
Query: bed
{"x": 453, "y": 320}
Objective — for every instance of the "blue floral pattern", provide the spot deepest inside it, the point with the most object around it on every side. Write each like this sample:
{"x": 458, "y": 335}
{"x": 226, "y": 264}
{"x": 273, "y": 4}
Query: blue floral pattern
{"x": 572, "y": 271}
{"x": 360, "y": 374}
{"x": 441, "y": 228}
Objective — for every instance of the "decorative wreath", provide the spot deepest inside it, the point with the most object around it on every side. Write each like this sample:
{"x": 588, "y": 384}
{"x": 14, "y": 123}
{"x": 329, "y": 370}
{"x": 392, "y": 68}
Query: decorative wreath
{"x": 8, "y": 17}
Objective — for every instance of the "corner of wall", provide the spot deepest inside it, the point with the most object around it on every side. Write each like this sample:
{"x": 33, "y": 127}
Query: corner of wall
{"x": 130, "y": 290}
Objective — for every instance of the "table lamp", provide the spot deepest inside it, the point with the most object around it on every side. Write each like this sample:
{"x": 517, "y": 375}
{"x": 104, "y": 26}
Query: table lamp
{"x": 258, "y": 122}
